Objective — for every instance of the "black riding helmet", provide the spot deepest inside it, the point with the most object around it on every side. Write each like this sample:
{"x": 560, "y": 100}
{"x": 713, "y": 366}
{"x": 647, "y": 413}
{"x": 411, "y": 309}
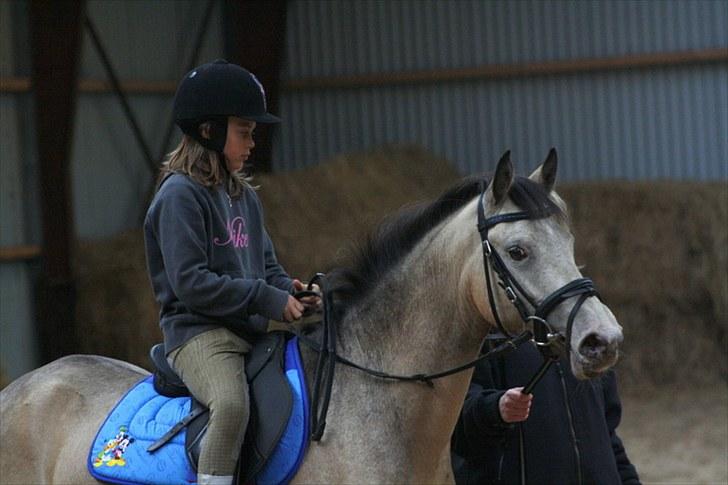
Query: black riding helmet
{"x": 212, "y": 92}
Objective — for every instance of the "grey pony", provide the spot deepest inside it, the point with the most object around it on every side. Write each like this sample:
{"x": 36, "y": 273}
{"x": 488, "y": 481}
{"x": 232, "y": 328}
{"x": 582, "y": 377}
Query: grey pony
{"x": 438, "y": 314}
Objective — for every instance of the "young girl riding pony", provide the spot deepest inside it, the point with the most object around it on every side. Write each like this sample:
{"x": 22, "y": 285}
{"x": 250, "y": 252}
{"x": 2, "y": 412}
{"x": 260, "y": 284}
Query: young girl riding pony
{"x": 211, "y": 262}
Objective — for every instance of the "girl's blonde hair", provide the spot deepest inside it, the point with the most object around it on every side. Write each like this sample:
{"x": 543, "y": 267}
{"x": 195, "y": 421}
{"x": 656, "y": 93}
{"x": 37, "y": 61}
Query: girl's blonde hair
{"x": 202, "y": 165}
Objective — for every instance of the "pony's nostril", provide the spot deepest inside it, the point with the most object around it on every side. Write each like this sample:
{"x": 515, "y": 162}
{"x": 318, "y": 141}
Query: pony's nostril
{"x": 593, "y": 346}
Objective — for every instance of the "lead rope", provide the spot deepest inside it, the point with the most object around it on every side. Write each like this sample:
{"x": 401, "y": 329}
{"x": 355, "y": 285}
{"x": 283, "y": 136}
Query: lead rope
{"x": 550, "y": 359}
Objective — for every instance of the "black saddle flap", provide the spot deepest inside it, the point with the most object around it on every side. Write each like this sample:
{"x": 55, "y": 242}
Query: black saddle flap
{"x": 264, "y": 349}
{"x": 271, "y": 404}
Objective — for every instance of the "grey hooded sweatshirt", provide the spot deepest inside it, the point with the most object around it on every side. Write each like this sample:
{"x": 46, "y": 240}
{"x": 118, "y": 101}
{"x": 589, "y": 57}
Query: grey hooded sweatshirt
{"x": 211, "y": 262}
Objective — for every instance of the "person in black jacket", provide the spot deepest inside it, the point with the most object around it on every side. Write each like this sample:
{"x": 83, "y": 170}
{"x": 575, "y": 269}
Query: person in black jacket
{"x": 564, "y": 433}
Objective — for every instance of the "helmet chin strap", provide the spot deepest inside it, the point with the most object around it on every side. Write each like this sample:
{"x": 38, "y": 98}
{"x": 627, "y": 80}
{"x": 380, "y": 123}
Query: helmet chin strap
{"x": 217, "y": 133}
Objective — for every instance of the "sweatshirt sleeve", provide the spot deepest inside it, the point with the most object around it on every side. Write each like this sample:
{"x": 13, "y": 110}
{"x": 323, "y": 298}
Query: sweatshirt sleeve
{"x": 613, "y": 415}
{"x": 275, "y": 275}
{"x": 178, "y": 224}
{"x": 480, "y": 425}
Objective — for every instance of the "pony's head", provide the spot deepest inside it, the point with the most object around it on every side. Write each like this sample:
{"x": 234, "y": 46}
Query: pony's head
{"x": 536, "y": 247}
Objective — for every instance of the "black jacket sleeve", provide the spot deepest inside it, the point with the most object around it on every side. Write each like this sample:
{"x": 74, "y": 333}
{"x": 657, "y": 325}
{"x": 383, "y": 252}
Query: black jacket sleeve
{"x": 613, "y": 415}
{"x": 480, "y": 426}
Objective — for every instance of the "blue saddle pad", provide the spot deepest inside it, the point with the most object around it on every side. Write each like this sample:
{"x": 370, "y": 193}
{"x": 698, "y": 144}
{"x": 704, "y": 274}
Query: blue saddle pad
{"x": 119, "y": 451}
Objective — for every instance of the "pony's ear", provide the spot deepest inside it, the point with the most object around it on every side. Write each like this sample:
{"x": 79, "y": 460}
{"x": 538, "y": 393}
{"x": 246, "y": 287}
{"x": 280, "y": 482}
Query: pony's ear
{"x": 502, "y": 180}
{"x": 545, "y": 174}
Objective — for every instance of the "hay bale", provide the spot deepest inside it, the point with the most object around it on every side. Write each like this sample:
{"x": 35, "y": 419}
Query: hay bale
{"x": 657, "y": 253}
{"x": 314, "y": 215}
{"x": 116, "y": 313}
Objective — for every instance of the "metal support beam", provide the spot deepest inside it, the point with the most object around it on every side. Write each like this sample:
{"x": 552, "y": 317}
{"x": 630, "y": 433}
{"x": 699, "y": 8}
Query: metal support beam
{"x": 632, "y": 62}
{"x": 114, "y": 80}
{"x": 255, "y": 39}
{"x": 191, "y": 63}
{"x": 13, "y": 254}
{"x": 55, "y": 33}
{"x": 491, "y": 72}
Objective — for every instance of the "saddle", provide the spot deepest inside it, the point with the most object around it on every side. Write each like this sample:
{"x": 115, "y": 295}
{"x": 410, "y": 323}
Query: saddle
{"x": 271, "y": 402}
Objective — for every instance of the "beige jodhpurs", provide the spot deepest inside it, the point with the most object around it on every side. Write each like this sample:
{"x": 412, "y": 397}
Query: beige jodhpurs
{"x": 211, "y": 365}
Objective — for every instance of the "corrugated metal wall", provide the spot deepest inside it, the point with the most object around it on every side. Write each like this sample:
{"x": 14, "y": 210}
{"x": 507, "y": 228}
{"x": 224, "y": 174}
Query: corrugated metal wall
{"x": 147, "y": 41}
{"x": 645, "y": 124}
{"x": 18, "y": 209}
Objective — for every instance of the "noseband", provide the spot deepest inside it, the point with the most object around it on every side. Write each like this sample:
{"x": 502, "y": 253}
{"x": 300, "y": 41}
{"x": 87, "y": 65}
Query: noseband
{"x": 543, "y": 334}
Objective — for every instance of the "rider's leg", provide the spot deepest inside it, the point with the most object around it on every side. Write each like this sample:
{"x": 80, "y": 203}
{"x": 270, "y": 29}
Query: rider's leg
{"x": 212, "y": 366}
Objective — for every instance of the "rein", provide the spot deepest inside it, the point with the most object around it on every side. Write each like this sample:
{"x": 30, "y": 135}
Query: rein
{"x": 328, "y": 357}
{"x": 543, "y": 335}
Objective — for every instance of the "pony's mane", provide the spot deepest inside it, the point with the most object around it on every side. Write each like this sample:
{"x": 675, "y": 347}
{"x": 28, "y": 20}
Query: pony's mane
{"x": 395, "y": 237}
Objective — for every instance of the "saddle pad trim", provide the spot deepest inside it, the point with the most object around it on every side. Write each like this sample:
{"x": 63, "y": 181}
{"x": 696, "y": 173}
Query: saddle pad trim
{"x": 283, "y": 464}
{"x": 293, "y": 361}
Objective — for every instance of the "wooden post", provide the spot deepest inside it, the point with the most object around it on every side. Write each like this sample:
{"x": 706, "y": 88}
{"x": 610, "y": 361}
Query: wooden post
{"x": 55, "y": 33}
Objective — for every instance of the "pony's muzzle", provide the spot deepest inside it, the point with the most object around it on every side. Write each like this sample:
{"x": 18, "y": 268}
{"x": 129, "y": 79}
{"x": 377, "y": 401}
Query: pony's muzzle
{"x": 599, "y": 351}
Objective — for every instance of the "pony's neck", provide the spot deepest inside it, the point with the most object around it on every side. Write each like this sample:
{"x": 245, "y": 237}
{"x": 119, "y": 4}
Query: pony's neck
{"x": 422, "y": 309}
{"x": 419, "y": 320}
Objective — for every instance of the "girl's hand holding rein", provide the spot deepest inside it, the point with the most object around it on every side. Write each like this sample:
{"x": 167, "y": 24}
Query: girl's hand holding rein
{"x": 293, "y": 310}
{"x": 308, "y": 301}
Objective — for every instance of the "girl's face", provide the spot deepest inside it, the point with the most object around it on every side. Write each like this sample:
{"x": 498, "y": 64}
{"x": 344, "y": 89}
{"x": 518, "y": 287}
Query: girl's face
{"x": 239, "y": 143}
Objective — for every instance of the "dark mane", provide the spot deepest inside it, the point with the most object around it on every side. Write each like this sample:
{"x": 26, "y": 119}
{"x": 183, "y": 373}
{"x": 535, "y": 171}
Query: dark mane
{"x": 398, "y": 234}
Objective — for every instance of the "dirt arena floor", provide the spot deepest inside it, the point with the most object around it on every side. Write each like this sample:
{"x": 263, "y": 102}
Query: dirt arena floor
{"x": 677, "y": 436}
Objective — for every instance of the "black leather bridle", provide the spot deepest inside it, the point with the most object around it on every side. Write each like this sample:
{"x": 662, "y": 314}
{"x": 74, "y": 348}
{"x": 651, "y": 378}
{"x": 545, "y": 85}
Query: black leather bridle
{"x": 543, "y": 334}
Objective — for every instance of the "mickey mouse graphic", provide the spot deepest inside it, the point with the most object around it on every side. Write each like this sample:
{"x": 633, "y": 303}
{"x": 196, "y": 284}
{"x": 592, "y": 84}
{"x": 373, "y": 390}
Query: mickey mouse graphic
{"x": 113, "y": 452}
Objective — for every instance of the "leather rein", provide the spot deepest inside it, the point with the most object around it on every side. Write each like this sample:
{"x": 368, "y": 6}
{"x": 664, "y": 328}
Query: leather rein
{"x": 543, "y": 334}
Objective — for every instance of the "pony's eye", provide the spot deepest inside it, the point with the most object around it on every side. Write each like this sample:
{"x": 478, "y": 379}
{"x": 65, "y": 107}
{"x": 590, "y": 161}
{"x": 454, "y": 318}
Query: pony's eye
{"x": 517, "y": 253}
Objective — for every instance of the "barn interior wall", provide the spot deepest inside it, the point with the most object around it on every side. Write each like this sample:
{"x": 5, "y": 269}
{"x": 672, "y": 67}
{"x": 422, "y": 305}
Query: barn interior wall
{"x": 146, "y": 41}
{"x": 19, "y": 219}
{"x": 664, "y": 123}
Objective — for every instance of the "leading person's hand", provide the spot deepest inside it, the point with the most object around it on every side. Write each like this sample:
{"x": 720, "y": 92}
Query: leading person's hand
{"x": 514, "y": 406}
